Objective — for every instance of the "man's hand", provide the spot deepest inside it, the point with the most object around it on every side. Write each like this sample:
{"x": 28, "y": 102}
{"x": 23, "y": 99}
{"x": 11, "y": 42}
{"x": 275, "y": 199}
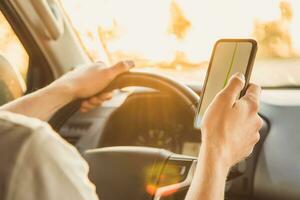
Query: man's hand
{"x": 230, "y": 125}
{"x": 88, "y": 81}
{"x": 84, "y": 82}
{"x": 229, "y": 132}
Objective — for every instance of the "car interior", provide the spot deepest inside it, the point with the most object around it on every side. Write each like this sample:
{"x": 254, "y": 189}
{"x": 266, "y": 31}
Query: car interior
{"x": 142, "y": 144}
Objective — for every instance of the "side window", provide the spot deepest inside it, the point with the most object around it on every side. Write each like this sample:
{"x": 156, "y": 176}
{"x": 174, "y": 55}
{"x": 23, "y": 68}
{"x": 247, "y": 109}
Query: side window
{"x": 12, "y": 49}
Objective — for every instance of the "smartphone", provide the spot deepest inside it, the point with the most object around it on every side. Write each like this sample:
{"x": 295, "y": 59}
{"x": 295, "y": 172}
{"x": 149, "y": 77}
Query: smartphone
{"x": 229, "y": 57}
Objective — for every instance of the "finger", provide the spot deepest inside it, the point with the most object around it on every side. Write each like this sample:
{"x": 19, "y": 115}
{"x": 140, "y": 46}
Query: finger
{"x": 234, "y": 87}
{"x": 83, "y": 110}
{"x": 252, "y": 97}
{"x": 256, "y": 137}
{"x": 101, "y": 63}
{"x": 94, "y": 101}
{"x": 249, "y": 152}
{"x": 105, "y": 96}
{"x": 87, "y": 105}
{"x": 253, "y": 91}
{"x": 259, "y": 123}
{"x": 121, "y": 67}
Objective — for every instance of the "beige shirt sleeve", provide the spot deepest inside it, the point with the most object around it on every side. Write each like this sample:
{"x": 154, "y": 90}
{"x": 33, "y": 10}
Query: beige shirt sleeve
{"x": 48, "y": 168}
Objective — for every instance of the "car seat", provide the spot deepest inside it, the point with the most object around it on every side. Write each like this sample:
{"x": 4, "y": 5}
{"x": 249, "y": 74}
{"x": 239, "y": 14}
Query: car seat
{"x": 12, "y": 85}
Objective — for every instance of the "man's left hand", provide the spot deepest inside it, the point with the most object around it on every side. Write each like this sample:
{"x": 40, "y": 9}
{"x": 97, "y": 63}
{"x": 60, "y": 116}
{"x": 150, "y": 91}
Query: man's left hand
{"x": 88, "y": 82}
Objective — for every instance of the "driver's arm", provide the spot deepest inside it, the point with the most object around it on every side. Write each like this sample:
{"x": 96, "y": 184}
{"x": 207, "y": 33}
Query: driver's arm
{"x": 83, "y": 82}
{"x": 229, "y": 132}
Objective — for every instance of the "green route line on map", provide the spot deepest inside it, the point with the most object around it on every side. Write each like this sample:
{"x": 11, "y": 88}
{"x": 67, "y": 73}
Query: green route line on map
{"x": 231, "y": 64}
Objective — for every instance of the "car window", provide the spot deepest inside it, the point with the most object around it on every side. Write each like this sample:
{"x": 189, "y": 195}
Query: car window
{"x": 176, "y": 37}
{"x": 12, "y": 49}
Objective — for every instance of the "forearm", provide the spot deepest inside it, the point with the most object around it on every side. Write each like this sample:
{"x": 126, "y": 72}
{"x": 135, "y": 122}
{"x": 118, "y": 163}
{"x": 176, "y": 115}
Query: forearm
{"x": 210, "y": 177}
{"x": 41, "y": 104}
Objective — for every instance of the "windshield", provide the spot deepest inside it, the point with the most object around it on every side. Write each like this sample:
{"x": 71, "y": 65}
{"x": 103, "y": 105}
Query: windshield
{"x": 176, "y": 37}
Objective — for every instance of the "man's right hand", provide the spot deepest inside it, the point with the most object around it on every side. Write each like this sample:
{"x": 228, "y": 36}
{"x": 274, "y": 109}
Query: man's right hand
{"x": 230, "y": 125}
{"x": 229, "y": 132}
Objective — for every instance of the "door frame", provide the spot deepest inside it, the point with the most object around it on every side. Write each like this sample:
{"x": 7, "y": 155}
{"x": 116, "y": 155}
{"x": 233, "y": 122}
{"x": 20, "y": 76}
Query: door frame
{"x": 39, "y": 72}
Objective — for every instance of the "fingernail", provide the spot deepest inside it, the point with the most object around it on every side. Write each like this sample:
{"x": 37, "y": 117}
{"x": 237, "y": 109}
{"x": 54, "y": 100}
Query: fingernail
{"x": 240, "y": 75}
{"x": 100, "y": 62}
{"x": 83, "y": 110}
{"x": 129, "y": 64}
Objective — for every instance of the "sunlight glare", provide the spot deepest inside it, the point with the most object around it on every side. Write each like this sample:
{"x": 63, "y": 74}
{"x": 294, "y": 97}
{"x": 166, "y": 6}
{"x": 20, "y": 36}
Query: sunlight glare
{"x": 140, "y": 29}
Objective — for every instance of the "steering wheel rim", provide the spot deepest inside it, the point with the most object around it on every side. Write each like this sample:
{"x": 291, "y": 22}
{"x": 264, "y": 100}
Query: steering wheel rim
{"x": 142, "y": 79}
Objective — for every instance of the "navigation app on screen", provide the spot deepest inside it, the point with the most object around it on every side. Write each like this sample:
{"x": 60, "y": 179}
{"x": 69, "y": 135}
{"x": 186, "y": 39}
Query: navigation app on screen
{"x": 229, "y": 58}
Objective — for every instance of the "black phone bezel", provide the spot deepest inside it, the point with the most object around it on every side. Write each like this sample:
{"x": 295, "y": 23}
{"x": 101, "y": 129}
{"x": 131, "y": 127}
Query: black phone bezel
{"x": 247, "y": 74}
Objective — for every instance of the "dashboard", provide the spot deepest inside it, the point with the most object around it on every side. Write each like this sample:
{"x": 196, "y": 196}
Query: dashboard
{"x": 136, "y": 118}
{"x": 153, "y": 120}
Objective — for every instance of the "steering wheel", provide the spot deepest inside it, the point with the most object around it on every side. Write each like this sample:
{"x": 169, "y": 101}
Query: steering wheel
{"x": 138, "y": 172}
{"x": 143, "y": 79}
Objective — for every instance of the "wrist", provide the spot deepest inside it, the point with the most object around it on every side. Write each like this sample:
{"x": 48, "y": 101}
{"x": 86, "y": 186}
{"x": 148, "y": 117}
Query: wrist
{"x": 63, "y": 91}
{"x": 218, "y": 155}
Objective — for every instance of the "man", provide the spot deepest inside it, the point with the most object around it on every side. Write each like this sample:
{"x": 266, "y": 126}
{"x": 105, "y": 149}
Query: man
{"x": 38, "y": 164}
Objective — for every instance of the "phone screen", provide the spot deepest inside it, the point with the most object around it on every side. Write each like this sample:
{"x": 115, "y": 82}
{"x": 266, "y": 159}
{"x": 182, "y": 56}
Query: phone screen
{"x": 229, "y": 57}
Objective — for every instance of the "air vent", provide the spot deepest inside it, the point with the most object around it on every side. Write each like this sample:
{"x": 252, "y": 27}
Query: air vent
{"x": 79, "y": 126}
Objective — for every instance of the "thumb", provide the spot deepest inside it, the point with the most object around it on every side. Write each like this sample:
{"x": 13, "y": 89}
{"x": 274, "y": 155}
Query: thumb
{"x": 121, "y": 67}
{"x": 235, "y": 86}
